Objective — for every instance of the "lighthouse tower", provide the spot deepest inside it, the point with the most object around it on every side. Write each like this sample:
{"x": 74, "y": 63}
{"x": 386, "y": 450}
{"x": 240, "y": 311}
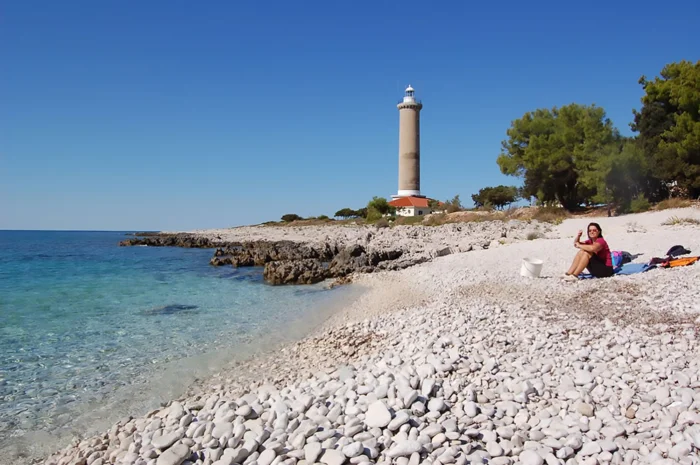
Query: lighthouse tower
{"x": 409, "y": 145}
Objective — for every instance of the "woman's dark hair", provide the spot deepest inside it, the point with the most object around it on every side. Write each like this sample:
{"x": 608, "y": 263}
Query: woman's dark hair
{"x": 600, "y": 230}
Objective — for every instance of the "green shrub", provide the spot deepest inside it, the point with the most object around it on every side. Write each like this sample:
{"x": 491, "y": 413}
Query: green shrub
{"x": 291, "y": 217}
{"x": 639, "y": 204}
{"x": 373, "y": 215}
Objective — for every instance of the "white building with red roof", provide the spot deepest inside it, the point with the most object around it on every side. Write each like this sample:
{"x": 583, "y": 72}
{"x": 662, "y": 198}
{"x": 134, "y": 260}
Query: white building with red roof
{"x": 411, "y": 206}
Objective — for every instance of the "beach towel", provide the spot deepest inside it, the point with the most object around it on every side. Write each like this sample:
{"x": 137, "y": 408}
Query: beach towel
{"x": 669, "y": 262}
{"x": 682, "y": 261}
{"x": 634, "y": 268}
{"x": 626, "y": 269}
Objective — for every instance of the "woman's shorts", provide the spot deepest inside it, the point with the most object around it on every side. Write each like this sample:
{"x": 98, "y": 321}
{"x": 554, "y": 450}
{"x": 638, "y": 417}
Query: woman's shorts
{"x": 597, "y": 268}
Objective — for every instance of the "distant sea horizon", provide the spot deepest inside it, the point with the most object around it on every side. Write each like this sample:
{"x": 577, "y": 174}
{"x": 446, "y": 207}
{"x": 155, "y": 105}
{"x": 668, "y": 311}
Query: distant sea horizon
{"x": 90, "y": 331}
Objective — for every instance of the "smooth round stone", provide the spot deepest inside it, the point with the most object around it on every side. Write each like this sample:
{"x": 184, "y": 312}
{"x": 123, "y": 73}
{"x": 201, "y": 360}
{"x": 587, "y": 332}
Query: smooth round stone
{"x": 494, "y": 449}
{"x": 353, "y": 450}
{"x": 312, "y": 451}
{"x": 404, "y": 449}
{"x": 585, "y": 409}
{"x": 607, "y": 445}
{"x": 590, "y": 448}
{"x": 471, "y": 409}
{"x": 505, "y": 432}
{"x": 266, "y": 457}
{"x": 333, "y": 457}
{"x": 436, "y": 404}
{"x": 530, "y": 457}
{"x": 377, "y": 415}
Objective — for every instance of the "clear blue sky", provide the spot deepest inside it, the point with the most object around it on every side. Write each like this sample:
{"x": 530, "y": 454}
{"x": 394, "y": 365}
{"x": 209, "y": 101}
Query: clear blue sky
{"x": 175, "y": 115}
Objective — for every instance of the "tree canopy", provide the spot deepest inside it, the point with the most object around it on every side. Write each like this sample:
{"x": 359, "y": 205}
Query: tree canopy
{"x": 378, "y": 207}
{"x": 552, "y": 149}
{"x": 499, "y": 196}
{"x": 346, "y": 213}
{"x": 669, "y": 124}
{"x": 291, "y": 217}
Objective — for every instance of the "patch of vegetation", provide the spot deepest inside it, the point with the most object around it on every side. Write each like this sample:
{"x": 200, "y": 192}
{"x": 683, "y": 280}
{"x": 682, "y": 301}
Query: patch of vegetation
{"x": 674, "y": 202}
{"x": 548, "y": 214}
{"x": 346, "y": 213}
{"x": 499, "y": 197}
{"x": 436, "y": 219}
{"x": 639, "y": 204}
{"x": 453, "y": 205}
{"x": 574, "y": 155}
{"x": 634, "y": 227}
{"x": 289, "y": 217}
{"x": 382, "y": 223}
{"x": 410, "y": 219}
{"x": 676, "y": 221}
{"x": 377, "y": 208}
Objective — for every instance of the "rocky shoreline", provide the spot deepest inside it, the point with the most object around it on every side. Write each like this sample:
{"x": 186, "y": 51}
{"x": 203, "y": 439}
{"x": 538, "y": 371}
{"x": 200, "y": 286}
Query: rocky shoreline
{"x": 342, "y": 251}
{"x": 187, "y": 241}
{"x": 458, "y": 361}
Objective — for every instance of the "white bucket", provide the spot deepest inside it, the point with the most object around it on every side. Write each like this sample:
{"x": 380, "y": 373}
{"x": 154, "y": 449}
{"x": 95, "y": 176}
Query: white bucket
{"x": 531, "y": 267}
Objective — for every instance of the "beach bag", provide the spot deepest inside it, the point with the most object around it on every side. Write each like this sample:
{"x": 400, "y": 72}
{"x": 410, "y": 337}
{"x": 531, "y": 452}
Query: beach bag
{"x": 617, "y": 258}
{"x": 677, "y": 250}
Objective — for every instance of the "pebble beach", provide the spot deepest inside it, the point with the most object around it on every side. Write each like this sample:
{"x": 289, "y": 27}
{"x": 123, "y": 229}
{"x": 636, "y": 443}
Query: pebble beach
{"x": 458, "y": 360}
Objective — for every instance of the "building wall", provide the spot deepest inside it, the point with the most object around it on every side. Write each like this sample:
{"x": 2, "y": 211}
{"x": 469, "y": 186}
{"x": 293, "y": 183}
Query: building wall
{"x": 412, "y": 211}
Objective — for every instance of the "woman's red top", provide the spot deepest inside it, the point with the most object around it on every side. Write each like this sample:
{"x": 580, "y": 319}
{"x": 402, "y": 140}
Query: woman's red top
{"x": 604, "y": 253}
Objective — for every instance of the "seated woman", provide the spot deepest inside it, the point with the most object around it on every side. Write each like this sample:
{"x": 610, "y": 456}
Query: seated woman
{"x": 593, "y": 254}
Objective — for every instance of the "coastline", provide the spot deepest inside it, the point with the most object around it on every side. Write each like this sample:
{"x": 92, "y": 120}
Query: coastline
{"x": 455, "y": 335}
{"x": 174, "y": 378}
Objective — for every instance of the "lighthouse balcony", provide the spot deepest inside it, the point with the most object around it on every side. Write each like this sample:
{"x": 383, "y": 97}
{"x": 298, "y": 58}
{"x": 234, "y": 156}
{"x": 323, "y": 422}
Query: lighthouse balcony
{"x": 413, "y": 101}
{"x": 415, "y": 104}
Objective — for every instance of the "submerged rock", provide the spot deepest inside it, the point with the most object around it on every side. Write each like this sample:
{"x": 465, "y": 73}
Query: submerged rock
{"x": 170, "y": 309}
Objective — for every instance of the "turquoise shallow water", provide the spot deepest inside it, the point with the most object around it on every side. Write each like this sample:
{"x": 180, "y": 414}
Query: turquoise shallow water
{"x": 83, "y": 321}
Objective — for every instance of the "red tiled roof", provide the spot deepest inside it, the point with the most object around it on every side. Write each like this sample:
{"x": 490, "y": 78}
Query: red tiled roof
{"x": 410, "y": 202}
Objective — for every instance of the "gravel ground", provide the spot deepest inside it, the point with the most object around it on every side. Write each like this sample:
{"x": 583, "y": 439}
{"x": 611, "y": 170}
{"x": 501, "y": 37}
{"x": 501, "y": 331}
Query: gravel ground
{"x": 461, "y": 360}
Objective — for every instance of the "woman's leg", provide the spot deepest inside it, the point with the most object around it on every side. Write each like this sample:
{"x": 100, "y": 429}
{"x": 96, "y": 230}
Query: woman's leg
{"x": 580, "y": 256}
{"x": 582, "y": 263}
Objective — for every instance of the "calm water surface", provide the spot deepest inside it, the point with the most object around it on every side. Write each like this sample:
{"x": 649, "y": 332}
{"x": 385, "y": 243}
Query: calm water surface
{"x": 89, "y": 329}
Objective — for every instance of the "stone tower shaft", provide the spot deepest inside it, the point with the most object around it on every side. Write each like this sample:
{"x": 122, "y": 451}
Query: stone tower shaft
{"x": 409, "y": 145}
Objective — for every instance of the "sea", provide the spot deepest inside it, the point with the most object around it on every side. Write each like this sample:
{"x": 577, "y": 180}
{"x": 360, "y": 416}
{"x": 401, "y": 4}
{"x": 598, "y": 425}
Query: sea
{"x": 91, "y": 332}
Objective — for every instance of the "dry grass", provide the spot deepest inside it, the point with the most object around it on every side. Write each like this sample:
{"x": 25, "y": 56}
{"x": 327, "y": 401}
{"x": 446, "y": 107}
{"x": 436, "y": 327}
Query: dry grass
{"x": 677, "y": 221}
{"x": 554, "y": 215}
{"x": 315, "y": 222}
{"x": 408, "y": 220}
{"x": 673, "y": 203}
{"x": 544, "y": 214}
{"x": 381, "y": 223}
